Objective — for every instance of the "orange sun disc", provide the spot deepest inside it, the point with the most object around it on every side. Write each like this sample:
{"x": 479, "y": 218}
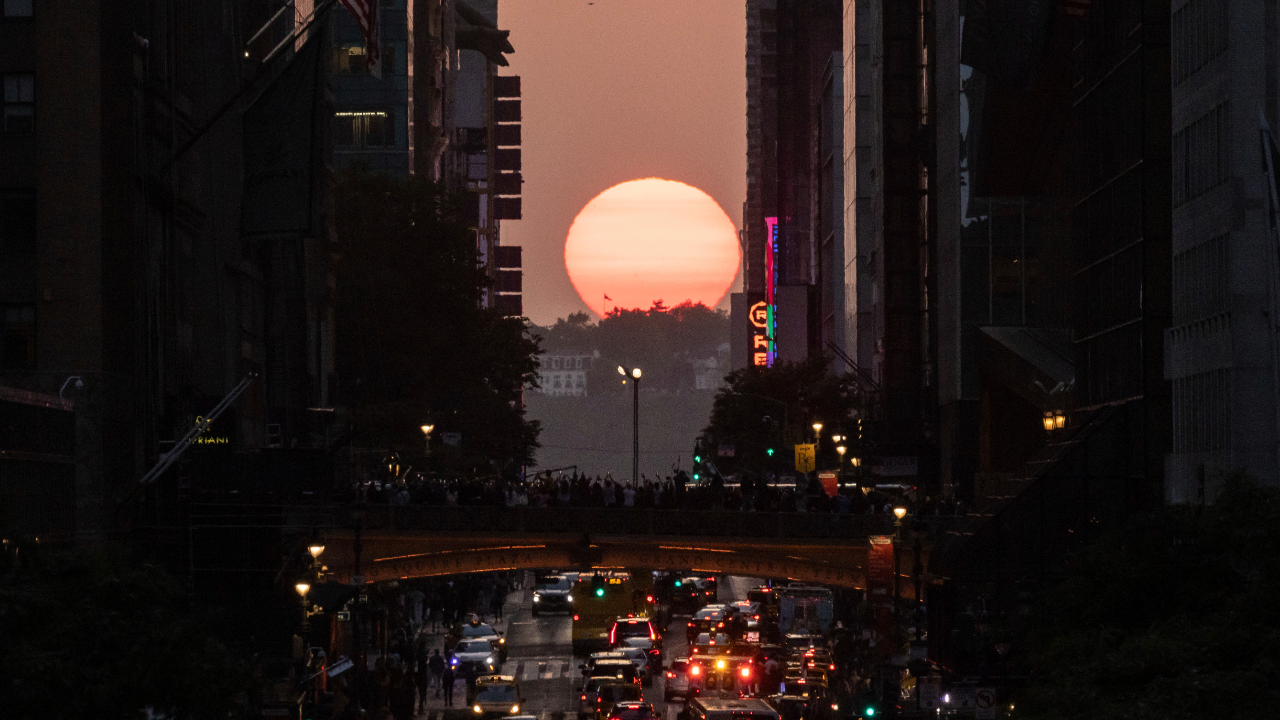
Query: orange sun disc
{"x": 651, "y": 239}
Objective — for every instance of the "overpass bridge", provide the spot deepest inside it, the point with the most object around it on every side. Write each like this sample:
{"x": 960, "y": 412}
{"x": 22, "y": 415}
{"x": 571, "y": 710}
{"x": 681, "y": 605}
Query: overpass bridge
{"x": 406, "y": 541}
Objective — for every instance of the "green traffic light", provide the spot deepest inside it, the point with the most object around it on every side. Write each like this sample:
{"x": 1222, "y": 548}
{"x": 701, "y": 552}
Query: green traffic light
{"x": 697, "y": 458}
{"x": 769, "y": 452}
{"x": 871, "y": 712}
{"x": 599, "y": 592}
{"x": 696, "y": 476}
{"x": 679, "y": 583}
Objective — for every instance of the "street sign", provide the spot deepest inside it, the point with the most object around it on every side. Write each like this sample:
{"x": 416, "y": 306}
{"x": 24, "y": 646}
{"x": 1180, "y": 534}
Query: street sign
{"x": 805, "y": 458}
{"x": 830, "y": 483}
{"x": 985, "y": 701}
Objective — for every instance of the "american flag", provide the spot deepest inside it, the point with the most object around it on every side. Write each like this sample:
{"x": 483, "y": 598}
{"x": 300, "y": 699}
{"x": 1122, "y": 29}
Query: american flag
{"x": 366, "y": 14}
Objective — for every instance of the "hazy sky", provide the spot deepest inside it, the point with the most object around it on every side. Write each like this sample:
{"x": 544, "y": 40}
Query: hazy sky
{"x": 615, "y": 91}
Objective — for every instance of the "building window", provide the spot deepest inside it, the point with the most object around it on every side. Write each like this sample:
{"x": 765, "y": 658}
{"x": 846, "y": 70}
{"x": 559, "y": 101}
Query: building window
{"x": 1199, "y": 35}
{"x": 1201, "y": 412}
{"x": 350, "y": 60}
{"x": 18, "y": 8}
{"x": 1200, "y": 156}
{"x": 18, "y": 337}
{"x": 365, "y": 129}
{"x": 19, "y": 103}
{"x": 1200, "y": 281}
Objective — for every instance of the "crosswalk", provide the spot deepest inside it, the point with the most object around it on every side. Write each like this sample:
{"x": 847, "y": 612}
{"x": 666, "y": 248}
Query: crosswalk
{"x": 539, "y": 668}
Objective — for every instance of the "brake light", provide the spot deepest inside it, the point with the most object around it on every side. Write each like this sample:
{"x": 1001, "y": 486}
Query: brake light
{"x": 690, "y": 624}
{"x": 584, "y": 697}
{"x": 745, "y": 671}
{"x": 648, "y": 598}
{"x": 720, "y": 625}
{"x": 575, "y": 617}
{"x": 671, "y": 674}
{"x": 652, "y": 635}
{"x": 613, "y": 633}
{"x": 695, "y": 669}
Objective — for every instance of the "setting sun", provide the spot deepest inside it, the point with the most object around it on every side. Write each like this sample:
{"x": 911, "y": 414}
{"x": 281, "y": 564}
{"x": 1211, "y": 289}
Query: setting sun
{"x": 651, "y": 239}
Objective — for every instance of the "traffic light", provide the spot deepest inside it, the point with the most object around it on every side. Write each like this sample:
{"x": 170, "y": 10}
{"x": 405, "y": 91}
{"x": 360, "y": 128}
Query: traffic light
{"x": 679, "y": 582}
{"x": 597, "y": 585}
{"x": 769, "y": 451}
{"x": 698, "y": 469}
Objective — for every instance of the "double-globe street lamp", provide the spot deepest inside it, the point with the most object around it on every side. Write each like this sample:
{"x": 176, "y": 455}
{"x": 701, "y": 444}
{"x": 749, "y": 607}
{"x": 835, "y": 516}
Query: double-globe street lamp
{"x": 635, "y": 420}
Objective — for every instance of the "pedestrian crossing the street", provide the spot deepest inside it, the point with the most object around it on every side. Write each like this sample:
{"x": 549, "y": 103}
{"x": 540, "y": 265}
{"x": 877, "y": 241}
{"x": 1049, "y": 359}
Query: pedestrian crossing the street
{"x": 534, "y": 668}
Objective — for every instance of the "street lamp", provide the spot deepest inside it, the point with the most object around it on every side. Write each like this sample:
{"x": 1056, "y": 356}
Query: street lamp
{"x": 635, "y": 421}
{"x": 817, "y": 428}
{"x": 899, "y": 513}
{"x": 315, "y": 549}
{"x": 1048, "y": 422}
{"x": 303, "y": 588}
{"x": 1059, "y": 420}
{"x": 426, "y": 437}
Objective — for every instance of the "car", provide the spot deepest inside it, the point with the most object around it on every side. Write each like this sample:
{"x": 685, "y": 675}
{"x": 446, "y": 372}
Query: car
{"x": 476, "y": 630}
{"x": 708, "y": 644}
{"x": 587, "y": 696}
{"x": 691, "y": 593}
{"x": 474, "y": 657}
{"x": 588, "y": 667}
{"x": 632, "y": 711}
{"x": 553, "y": 593}
{"x": 705, "y": 620}
{"x": 640, "y": 658}
{"x": 684, "y": 678}
{"x": 617, "y": 668}
{"x": 726, "y": 676}
{"x": 610, "y": 694}
{"x": 728, "y": 709}
{"x": 631, "y": 627}
{"x": 750, "y": 611}
{"x": 495, "y": 696}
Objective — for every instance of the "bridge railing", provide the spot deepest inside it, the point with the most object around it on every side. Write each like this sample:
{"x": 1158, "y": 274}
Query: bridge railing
{"x": 633, "y": 522}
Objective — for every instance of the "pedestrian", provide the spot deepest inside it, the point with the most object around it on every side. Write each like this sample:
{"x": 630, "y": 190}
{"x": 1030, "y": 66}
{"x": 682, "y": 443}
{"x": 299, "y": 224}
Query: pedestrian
{"x": 496, "y": 600}
{"x": 435, "y": 665}
{"x": 446, "y": 680}
{"x": 422, "y": 674}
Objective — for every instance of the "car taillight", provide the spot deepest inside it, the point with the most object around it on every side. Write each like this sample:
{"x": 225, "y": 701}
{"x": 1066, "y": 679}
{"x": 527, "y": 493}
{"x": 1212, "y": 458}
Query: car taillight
{"x": 584, "y": 697}
{"x": 671, "y": 674}
{"x": 575, "y": 618}
{"x": 695, "y": 670}
{"x": 745, "y": 672}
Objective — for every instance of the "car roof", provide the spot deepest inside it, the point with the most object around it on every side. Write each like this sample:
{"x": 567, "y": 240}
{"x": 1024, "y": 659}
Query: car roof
{"x": 605, "y": 655}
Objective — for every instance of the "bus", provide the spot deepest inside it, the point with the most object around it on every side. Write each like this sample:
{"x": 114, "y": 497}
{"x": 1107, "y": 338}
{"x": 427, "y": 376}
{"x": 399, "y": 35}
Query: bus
{"x": 602, "y": 597}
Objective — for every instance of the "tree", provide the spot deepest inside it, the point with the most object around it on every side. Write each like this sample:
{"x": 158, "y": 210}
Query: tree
{"x": 414, "y": 345}
{"x": 773, "y": 408}
{"x": 662, "y": 341}
{"x": 1174, "y": 616}
{"x": 87, "y": 635}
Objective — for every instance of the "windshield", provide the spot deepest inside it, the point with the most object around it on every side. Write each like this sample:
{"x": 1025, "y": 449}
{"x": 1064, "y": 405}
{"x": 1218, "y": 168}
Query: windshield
{"x": 480, "y": 630}
{"x": 555, "y": 583}
{"x": 633, "y": 629}
{"x": 618, "y": 693}
{"x": 633, "y": 714}
{"x": 497, "y": 694}
{"x": 474, "y": 646}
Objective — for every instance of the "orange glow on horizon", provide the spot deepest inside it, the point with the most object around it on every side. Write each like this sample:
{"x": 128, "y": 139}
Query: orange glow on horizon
{"x": 651, "y": 239}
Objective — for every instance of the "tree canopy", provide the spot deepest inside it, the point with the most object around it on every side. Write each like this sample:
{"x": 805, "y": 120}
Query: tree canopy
{"x": 88, "y": 635}
{"x": 1175, "y": 616}
{"x": 662, "y": 341}
{"x": 774, "y": 408}
{"x": 414, "y": 346}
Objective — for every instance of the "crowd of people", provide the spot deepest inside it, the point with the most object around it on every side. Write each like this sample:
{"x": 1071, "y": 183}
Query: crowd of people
{"x": 675, "y": 492}
{"x": 410, "y": 646}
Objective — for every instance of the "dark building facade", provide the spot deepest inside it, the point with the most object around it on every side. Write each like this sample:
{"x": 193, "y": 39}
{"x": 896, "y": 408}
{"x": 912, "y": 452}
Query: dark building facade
{"x": 121, "y": 191}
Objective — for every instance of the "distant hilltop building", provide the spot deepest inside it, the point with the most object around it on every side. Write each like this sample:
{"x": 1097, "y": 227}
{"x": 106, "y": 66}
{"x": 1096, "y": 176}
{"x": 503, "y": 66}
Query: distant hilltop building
{"x": 708, "y": 373}
{"x": 564, "y": 375}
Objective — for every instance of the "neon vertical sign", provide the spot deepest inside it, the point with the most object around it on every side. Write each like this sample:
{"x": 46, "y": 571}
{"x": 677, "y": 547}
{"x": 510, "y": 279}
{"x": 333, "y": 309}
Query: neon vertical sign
{"x": 770, "y": 290}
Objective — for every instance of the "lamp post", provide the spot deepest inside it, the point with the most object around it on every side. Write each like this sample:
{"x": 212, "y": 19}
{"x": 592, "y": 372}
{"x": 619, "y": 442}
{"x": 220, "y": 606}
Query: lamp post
{"x": 817, "y": 432}
{"x": 426, "y": 438}
{"x": 840, "y": 450}
{"x": 303, "y": 588}
{"x": 635, "y": 421}
{"x": 899, "y": 512}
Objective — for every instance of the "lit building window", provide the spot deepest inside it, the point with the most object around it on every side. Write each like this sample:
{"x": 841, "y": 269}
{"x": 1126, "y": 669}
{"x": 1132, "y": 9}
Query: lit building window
{"x": 363, "y": 129}
{"x": 19, "y": 103}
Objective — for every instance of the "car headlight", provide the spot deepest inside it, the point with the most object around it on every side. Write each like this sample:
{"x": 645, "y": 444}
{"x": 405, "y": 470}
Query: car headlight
{"x": 536, "y": 598}
{"x": 489, "y": 659}
{"x": 502, "y": 641}
{"x": 515, "y": 709}
{"x": 569, "y": 598}
{"x": 475, "y": 709}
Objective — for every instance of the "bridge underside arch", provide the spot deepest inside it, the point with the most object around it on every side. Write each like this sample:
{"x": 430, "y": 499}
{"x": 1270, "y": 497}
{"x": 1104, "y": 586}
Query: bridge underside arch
{"x": 401, "y": 558}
